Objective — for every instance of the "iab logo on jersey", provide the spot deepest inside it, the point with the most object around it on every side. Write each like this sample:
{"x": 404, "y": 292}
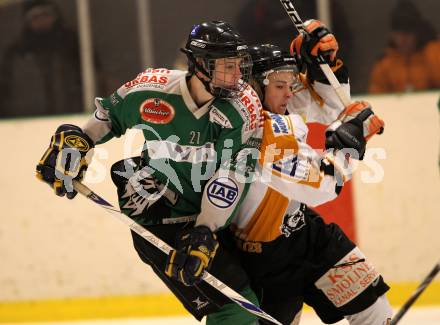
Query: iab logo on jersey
{"x": 157, "y": 111}
{"x": 222, "y": 192}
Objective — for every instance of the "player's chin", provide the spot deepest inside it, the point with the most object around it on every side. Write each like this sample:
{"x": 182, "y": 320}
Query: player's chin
{"x": 281, "y": 109}
{"x": 235, "y": 86}
{"x": 226, "y": 86}
{"x": 231, "y": 87}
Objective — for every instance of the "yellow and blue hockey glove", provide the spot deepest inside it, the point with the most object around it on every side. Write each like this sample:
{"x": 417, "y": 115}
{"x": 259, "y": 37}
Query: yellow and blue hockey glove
{"x": 65, "y": 159}
{"x": 196, "y": 248}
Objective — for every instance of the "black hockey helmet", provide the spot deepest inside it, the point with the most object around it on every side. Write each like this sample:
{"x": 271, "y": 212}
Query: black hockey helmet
{"x": 267, "y": 58}
{"x": 214, "y": 40}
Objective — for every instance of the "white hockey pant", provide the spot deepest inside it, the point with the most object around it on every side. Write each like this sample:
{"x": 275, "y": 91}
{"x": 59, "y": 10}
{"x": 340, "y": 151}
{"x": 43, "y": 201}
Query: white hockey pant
{"x": 379, "y": 313}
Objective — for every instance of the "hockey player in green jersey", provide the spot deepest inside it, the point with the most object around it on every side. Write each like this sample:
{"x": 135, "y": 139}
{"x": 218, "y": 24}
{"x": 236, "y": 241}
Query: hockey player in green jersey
{"x": 202, "y": 132}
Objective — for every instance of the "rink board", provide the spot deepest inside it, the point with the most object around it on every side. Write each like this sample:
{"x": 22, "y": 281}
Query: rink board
{"x": 52, "y": 249}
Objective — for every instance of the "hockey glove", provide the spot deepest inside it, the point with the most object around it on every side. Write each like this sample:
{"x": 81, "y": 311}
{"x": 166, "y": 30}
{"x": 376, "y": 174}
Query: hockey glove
{"x": 64, "y": 160}
{"x": 354, "y": 127}
{"x": 317, "y": 41}
{"x": 196, "y": 249}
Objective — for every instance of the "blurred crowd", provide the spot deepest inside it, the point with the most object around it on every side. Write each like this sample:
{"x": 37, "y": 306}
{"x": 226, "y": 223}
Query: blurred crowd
{"x": 411, "y": 60}
{"x": 40, "y": 68}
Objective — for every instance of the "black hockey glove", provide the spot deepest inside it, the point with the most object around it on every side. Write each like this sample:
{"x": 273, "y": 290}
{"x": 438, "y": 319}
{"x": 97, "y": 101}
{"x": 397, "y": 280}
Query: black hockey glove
{"x": 317, "y": 41}
{"x": 64, "y": 160}
{"x": 353, "y": 128}
{"x": 196, "y": 249}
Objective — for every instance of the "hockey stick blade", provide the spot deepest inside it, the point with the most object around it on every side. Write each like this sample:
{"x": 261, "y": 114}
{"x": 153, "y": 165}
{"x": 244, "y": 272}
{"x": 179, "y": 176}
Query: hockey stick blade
{"x": 164, "y": 247}
{"x": 428, "y": 279}
{"x": 334, "y": 82}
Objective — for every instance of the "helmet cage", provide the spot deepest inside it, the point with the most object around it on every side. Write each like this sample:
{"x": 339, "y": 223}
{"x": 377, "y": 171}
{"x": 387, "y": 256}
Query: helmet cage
{"x": 218, "y": 84}
{"x": 224, "y": 83}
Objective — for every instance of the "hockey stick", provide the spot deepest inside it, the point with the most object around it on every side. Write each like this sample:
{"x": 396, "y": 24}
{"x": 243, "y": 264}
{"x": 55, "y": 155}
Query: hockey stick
{"x": 164, "y": 247}
{"x": 334, "y": 82}
{"x": 428, "y": 279}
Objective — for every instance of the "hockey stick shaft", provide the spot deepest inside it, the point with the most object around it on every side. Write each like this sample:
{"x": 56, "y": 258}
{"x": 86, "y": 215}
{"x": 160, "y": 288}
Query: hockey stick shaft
{"x": 334, "y": 82}
{"x": 164, "y": 247}
{"x": 428, "y": 279}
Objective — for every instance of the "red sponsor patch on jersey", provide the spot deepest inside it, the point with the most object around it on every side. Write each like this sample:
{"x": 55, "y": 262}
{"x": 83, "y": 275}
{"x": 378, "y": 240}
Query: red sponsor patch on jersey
{"x": 254, "y": 109}
{"x": 156, "y": 110}
{"x": 147, "y": 79}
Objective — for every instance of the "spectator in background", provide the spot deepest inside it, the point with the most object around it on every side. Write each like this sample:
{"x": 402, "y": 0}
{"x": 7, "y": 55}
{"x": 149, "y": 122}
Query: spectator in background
{"x": 40, "y": 72}
{"x": 265, "y": 21}
{"x": 412, "y": 58}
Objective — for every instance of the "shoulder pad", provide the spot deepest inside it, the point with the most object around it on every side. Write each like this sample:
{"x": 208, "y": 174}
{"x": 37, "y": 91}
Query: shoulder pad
{"x": 278, "y": 138}
{"x": 218, "y": 117}
{"x": 250, "y": 109}
{"x": 300, "y": 129}
{"x": 152, "y": 79}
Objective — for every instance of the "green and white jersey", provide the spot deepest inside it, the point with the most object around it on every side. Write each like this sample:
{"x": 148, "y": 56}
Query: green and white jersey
{"x": 202, "y": 153}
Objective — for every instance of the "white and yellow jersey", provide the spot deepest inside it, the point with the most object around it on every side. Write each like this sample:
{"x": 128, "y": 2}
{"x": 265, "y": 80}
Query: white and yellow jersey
{"x": 289, "y": 172}
{"x": 317, "y": 103}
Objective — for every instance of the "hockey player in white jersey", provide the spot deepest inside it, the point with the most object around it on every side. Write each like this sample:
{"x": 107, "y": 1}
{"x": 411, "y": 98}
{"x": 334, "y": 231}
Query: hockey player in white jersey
{"x": 290, "y": 254}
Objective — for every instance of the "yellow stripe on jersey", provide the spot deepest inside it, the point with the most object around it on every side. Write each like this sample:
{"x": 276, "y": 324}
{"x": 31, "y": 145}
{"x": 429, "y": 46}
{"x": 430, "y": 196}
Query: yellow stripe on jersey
{"x": 265, "y": 224}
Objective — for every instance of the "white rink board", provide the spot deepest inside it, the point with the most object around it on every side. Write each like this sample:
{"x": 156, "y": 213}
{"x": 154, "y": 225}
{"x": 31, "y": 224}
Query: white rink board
{"x": 398, "y": 218}
{"x": 51, "y": 247}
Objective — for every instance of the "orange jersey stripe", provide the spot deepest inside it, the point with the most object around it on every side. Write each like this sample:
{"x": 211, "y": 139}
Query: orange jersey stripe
{"x": 278, "y": 139}
{"x": 265, "y": 224}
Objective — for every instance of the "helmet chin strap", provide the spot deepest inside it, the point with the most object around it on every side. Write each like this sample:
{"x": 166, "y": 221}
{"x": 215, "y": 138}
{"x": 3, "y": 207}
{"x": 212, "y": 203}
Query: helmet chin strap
{"x": 214, "y": 91}
{"x": 197, "y": 66}
{"x": 206, "y": 83}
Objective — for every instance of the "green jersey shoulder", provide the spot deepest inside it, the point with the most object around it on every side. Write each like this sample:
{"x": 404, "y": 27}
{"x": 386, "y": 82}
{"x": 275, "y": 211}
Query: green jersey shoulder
{"x": 185, "y": 144}
{"x": 155, "y": 96}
